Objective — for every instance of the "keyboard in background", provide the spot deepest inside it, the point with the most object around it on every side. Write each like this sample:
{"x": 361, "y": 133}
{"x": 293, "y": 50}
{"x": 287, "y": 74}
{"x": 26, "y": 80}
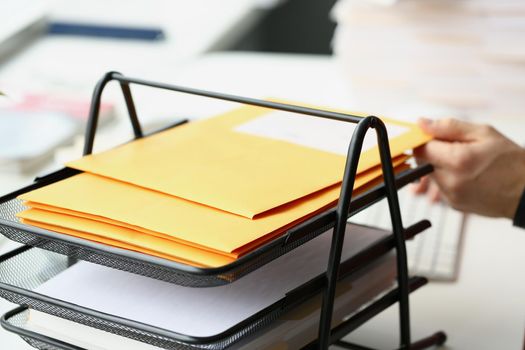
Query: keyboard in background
{"x": 434, "y": 253}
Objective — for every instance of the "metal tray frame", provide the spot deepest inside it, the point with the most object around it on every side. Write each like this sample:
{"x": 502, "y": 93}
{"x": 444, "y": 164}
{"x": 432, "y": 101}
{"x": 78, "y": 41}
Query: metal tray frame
{"x": 187, "y": 275}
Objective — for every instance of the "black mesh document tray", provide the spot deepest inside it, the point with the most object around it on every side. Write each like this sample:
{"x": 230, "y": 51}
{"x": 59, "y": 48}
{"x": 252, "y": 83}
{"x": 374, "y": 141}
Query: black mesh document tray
{"x": 163, "y": 269}
{"x": 27, "y": 268}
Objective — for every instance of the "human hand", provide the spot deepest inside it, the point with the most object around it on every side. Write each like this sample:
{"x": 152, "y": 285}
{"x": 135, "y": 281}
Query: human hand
{"x": 476, "y": 168}
{"x": 428, "y": 187}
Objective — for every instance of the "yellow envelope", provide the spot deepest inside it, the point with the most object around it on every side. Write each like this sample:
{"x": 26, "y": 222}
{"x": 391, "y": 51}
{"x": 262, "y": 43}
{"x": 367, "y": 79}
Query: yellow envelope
{"x": 130, "y": 239}
{"x": 107, "y": 241}
{"x": 207, "y": 162}
{"x": 163, "y": 216}
{"x": 116, "y": 223}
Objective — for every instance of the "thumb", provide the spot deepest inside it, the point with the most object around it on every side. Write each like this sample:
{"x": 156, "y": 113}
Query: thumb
{"x": 448, "y": 129}
{"x": 437, "y": 153}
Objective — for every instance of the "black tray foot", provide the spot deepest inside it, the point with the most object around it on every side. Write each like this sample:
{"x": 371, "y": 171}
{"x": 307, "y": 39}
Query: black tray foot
{"x": 436, "y": 339}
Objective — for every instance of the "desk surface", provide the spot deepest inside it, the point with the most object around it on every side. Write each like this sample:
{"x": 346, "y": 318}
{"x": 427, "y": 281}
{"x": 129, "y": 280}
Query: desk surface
{"x": 484, "y": 309}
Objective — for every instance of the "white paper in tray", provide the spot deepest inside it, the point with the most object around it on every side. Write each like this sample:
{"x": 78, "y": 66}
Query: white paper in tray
{"x": 198, "y": 312}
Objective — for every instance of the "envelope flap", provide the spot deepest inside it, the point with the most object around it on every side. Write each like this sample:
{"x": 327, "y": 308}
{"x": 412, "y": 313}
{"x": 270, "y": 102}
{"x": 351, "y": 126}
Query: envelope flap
{"x": 218, "y": 167}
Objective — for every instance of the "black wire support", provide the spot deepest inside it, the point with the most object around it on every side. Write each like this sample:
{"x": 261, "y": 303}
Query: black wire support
{"x": 363, "y": 125}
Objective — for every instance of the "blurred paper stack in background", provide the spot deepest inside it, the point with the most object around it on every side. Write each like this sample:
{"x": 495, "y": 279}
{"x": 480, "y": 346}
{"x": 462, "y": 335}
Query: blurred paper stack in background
{"x": 464, "y": 57}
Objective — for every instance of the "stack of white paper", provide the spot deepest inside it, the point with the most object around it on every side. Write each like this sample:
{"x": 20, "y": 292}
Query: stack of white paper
{"x": 199, "y": 312}
{"x": 293, "y": 330}
{"x": 467, "y": 55}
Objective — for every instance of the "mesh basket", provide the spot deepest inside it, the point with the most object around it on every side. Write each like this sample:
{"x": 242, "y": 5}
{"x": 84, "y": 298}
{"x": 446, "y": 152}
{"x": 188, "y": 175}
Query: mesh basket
{"x": 16, "y": 321}
{"x": 170, "y": 271}
{"x": 26, "y": 268}
{"x": 142, "y": 264}
{"x": 31, "y": 267}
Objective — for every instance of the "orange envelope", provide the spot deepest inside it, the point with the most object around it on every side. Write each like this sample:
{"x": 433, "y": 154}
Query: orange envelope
{"x": 122, "y": 237}
{"x": 156, "y": 215}
{"x": 207, "y": 162}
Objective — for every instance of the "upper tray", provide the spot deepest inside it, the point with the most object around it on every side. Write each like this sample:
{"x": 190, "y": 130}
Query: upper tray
{"x": 166, "y": 270}
{"x": 186, "y": 275}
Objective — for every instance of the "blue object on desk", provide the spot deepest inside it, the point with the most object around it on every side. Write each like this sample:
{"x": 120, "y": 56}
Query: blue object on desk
{"x": 105, "y": 31}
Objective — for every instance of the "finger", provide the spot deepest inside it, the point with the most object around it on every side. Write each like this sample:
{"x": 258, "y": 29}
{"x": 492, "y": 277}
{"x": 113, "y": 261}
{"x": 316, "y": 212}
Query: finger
{"x": 421, "y": 186}
{"x": 437, "y": 153}
{"x": 449, "y": 129}
{"x": 434, "y": 194}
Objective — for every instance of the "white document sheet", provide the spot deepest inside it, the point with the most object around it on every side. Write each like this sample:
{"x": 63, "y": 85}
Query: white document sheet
{"x": 324, "y": 134}
{"x": 199, "y": 312}
{"x": 293, "y": 330}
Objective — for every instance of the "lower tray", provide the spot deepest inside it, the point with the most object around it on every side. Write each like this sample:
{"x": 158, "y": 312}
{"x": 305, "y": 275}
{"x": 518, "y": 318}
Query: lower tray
{"x": 295, "y": 328}
{"x": 170, "y": 271}
{"x": 27, "y": 268}
{"x": 17, "y": 322}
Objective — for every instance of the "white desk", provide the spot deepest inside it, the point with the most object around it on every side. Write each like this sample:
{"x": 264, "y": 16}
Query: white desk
{"x": 484, "y": 309}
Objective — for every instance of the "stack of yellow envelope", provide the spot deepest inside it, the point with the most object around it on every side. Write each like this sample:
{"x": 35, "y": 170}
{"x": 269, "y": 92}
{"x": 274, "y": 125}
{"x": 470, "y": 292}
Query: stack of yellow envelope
{"x": 202, "y": 194}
